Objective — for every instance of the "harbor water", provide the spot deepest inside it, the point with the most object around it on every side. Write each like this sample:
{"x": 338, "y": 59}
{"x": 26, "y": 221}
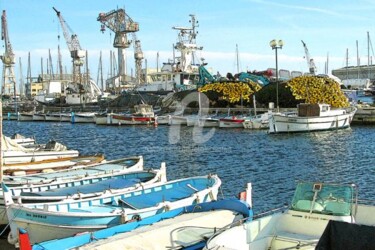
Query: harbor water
{"x": 272, "y": 163}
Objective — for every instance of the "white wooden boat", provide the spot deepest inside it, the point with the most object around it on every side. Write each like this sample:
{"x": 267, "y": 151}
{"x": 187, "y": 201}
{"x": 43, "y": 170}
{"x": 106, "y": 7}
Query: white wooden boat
{"x": 311, "y": 117}
{"x": 162, "y": 119}
{"x": 14, "y": 153}
{"x": 65, "y": 117}
{"x": 103, "y": 119}
{"x": 53, "y": 117}
{"x": 83, "y": 117}
{"x": 177, "y": 120}
{"x": 50, "y": 165}
{"x": 25, "y": 116}
{"x": 302, "y": 225}
{"x": 260, "y": 121}
{"x": 208, "y": 122}
{"x": 13, "y": 116}
{"x": 38, "y": 116}
{"x": 186, "y": 227}
{"x": 58, "y": 220}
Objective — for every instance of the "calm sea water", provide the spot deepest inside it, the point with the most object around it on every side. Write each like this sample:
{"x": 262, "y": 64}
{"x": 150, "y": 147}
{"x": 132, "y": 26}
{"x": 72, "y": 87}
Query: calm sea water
{"x": 272, "y": 163}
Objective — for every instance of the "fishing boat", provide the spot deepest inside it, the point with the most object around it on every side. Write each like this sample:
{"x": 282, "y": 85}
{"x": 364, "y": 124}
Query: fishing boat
{"x": 143, "y": 115}
{"x": 185, "y": 227}
{"x": 77, "y": 175}
{"x": 104, "y": 118}
{"x": 83, "y": 117}
{"x": 181, "y": 73}
{"x": 63, "y": 219}
{"x": 25, "y": 116}
{"x": 260, "y": 121}
{"x": 14, "y": 153}
{"x": 311, "y": 117}
{"x": 162, "y": 119}
{"x": 207, "y": 122}
{"x": 96, "y": 186}
{"x": 301, "y": 226}
{"x": 39, "y": 116}
{"x": 75, "y": 172}
{"x": 49, "y": 165}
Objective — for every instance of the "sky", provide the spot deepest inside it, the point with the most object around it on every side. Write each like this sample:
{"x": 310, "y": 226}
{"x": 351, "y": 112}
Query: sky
{"x": 329, "y": 29}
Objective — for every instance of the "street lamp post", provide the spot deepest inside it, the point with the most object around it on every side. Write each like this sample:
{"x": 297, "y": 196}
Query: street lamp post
{"x": 277, "y": 45}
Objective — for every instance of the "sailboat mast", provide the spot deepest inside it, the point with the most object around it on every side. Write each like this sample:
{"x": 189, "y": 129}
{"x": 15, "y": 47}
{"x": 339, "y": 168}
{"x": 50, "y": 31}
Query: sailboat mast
{"x": 347, "y": 63}
{"x": 237, "y": 60}
{"x": 368, "y": 54}
{"x": 357, "y": 60}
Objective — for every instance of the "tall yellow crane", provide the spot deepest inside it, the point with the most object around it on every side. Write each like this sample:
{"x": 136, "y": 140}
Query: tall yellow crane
{"x": 76, "y": 52}
{"x": 121, "y": 24}
{"x": 8, "y": 59}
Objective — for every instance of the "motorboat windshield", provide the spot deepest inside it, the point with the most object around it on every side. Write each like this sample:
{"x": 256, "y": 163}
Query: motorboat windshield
{"x": 324, "y": 198}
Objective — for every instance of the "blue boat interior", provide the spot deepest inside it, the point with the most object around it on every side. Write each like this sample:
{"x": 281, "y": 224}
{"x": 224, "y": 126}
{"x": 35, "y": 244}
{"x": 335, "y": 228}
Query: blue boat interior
{"x": 146, "y": 198}
{"x": 96, "y": 187}
{"x": 89, "y": 171}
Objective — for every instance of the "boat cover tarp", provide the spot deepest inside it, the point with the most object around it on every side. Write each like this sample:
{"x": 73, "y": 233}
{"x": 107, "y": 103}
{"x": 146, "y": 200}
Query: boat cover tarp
{"x": 343, "y": 235}
{"x": 88, "y": 188}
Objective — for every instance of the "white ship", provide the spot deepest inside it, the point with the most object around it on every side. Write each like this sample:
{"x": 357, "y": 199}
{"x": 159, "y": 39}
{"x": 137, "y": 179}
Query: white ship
{"x": 182, "y": 72}
{"x": 67, "y": 93}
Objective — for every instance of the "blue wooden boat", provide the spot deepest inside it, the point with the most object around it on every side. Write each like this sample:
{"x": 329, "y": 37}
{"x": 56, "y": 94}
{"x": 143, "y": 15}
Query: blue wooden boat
{"x": 183, "y": 227}
{"x": 76, "y": 177}
{"x": 63, "y": 219}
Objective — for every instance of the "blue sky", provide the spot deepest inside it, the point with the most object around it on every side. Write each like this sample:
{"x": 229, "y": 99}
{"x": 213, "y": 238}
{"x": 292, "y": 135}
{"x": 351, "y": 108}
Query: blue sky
{"x": 325, "y": 26}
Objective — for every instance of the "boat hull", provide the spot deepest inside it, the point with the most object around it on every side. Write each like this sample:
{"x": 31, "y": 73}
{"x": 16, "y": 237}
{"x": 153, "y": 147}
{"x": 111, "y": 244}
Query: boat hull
{"x": 231, "y": 123}
{"x": 131, "y": 120}
{"x": 208, "y": 122}
{"x": 72, "y": 217}
{"x": 280, "y": 123}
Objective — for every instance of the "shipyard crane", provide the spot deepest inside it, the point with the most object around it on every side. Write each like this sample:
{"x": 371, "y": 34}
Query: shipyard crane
{"x": 76, "y": 52}
{"x": 310, "y": 61}
{"x": 138, "y": 57}
{"x": 8, "y": 59}
{"x": 121, "y": 24}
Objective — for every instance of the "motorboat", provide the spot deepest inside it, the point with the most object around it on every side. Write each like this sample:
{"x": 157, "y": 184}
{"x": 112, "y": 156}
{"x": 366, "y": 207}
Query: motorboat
{"x": 311, "y": 117}
{"x": 15, "y": 153}
{"x": 314, "y": 206}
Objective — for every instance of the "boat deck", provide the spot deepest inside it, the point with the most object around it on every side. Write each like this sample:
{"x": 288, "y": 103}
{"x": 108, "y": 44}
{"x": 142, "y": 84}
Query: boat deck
{"x": 182, "y": 231}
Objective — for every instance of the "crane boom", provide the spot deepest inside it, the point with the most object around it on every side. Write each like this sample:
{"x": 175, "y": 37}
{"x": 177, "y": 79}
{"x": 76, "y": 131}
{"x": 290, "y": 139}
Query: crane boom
{"x": 310, "y": 61}
{"x": 74, "y": 47}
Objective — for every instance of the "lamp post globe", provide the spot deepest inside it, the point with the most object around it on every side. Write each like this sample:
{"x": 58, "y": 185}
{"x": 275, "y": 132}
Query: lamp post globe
{"x": 275, "y": 45}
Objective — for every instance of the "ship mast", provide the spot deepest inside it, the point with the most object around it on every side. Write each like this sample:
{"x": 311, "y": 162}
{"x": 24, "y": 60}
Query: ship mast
{"x": 187, "y": 45}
